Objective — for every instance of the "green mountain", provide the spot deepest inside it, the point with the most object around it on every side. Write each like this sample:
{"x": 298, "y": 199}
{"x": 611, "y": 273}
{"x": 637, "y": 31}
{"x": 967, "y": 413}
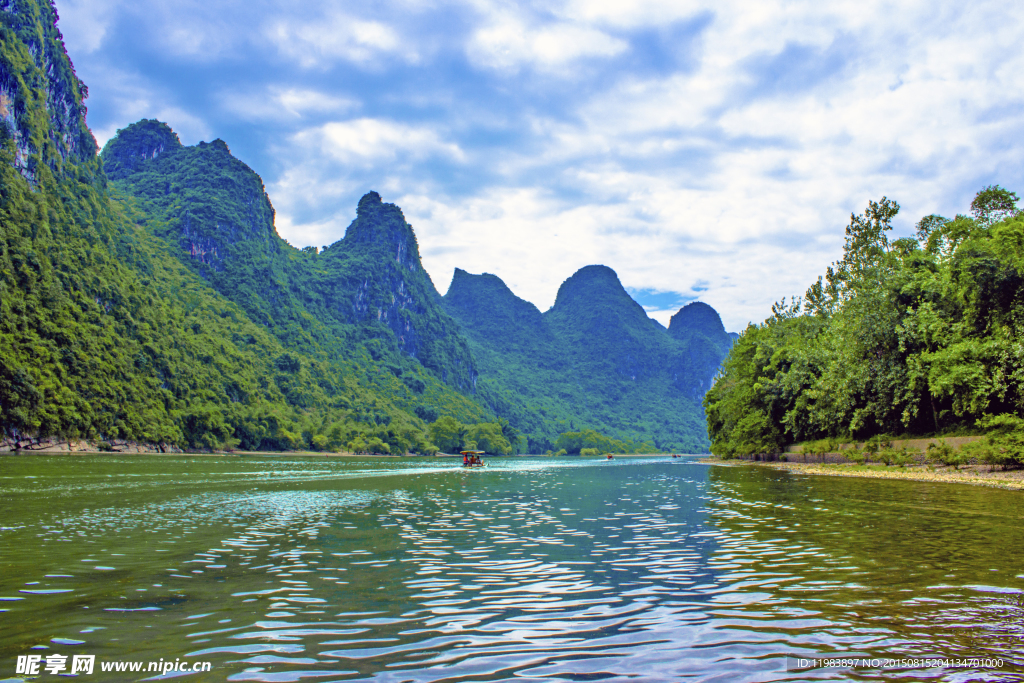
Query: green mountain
{"x": 699, "y": 329}
{"x": 145, "y": 295}
{"x": 595, "y": 360}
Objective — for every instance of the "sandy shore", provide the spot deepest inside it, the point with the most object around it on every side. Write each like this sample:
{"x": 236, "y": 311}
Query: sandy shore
{"x": 978, "y": 475}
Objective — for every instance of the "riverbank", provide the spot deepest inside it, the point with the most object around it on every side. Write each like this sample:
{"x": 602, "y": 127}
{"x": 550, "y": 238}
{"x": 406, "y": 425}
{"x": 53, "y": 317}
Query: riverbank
{"x": 977, "y": 475}
{"x": 54, "y": 446}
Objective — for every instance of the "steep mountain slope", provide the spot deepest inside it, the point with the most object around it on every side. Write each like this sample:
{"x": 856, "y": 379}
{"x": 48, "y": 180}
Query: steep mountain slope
{"x": 84, "y": 296}
{"x": 524, "y": 369}
{"x": 594, "y": 360}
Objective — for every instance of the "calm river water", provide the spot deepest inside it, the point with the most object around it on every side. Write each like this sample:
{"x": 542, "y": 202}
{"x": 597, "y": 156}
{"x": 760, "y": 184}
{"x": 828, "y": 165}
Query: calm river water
{"x": 646, "y": 569}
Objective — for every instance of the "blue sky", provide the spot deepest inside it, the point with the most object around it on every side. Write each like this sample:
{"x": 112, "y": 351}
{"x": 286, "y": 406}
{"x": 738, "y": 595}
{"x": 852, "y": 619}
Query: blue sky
{"x": 709, "y": 151}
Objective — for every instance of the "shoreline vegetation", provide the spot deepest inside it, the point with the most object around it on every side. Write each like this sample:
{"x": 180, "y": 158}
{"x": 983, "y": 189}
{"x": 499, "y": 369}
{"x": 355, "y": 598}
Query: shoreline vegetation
{"x": 494, "y": 438}
{"x": 915, "y": 336}
{"x": 322, "y": 454}
{"x": 976, "y": 475}
{"x": 950, "y": 459}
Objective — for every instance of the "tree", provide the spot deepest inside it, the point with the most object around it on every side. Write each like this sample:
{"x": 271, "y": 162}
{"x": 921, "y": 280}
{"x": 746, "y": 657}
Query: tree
{"x": 993, "y": 204}
{"x": 448, "y": 433}
{"x": 510, "y": 433}
{"x": 489, "y": 438}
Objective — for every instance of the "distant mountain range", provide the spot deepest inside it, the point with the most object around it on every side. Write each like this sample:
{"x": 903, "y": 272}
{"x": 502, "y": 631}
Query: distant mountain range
{"x": 145, "y": 294}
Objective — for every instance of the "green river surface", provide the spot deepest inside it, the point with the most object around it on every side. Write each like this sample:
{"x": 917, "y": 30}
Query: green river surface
{"x": 531, "y": 569}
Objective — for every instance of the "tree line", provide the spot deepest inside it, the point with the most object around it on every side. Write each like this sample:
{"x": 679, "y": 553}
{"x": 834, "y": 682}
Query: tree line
{"x": 916, "y": 336}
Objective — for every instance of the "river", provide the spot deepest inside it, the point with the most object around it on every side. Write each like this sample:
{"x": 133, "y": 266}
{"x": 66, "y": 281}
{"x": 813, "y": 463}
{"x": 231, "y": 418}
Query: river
{"x": 531, "y": 569}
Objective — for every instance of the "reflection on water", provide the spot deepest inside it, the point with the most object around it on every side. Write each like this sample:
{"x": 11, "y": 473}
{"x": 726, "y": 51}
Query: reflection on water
{"x": 284, "y": 569}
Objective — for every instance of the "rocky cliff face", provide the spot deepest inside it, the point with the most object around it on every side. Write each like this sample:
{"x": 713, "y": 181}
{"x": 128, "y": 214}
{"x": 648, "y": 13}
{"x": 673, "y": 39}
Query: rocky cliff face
{"x": 383, "y": 225}
{"x": 140, "y": 142}
{"x": 379, "y": 279}
{"x": 41, "y": 97}
{"x": 216, "y": 207}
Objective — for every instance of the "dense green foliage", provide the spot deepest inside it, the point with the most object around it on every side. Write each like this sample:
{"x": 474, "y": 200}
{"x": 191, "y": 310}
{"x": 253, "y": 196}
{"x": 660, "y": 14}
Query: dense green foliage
{"x": 590, "y": 442}
{"x": 451, "y": 436}
{"x": 908, "y": 336}
{"x": 594, "y": 360}
{"x": 364, "y": 298}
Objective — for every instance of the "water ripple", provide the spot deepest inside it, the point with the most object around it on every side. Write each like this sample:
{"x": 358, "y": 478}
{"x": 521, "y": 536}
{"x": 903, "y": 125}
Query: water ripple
{"x": 547, "y": 569}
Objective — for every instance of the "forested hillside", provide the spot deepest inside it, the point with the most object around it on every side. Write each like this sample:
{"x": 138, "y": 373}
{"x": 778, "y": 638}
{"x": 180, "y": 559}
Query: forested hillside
{"x": 595, "y": 359}
{"x": 145, "y": 295}
{"x": 914, "y": 336}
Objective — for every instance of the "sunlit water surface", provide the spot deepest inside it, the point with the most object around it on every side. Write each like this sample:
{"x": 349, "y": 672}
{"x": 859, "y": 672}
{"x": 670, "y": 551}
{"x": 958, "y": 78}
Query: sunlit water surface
{"x": 647, "y": 569}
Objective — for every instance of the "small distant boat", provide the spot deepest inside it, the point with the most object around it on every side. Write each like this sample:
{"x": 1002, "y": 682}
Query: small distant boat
{"x": 610, "y": 457}
{"x": 472, "y": 459}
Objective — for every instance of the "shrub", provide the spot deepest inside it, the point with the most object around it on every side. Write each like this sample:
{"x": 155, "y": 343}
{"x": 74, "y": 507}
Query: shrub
{"x": 940, "y": 452}
{"x": 947, "y": 455}
{"x": 879, "y": 442}
{"x": 982, "y": 450}
{"x": 590, "y": 451}
{"x": 902, "y": 457}
{"x": 1005, "y": 439}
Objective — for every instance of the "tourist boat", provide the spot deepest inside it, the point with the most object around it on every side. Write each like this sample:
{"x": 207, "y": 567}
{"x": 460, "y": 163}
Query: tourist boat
{"x": 610, "y": 457}
{"x": 472, "y": 459}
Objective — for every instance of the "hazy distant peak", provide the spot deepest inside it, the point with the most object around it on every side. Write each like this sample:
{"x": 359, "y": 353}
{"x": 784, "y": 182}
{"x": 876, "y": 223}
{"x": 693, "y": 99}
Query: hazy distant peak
{"x": 468, "y": 292}
{"x": 463, "y": 279}
{"x": 592, "y": 284}
{"x": 589, "y": 279}
{"x": 697, "y": 316}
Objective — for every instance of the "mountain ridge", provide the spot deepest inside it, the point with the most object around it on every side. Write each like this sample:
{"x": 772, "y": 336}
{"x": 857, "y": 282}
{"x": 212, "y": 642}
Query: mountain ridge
{"x": 601, "y": 360}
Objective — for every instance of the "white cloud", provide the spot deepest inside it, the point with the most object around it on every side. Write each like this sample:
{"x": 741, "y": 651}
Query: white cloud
{"x": 280, "y": 103}
{"x": 321, "y": 42}
{"x": 508, "y": 43}
{"x": 84, "y": 23}
{"x": 135, "y": 99}
{"x": 373, "y": 142}
{"x": 630, "y": 14}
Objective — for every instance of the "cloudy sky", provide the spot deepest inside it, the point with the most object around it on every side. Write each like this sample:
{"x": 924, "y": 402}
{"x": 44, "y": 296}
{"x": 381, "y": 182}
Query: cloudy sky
{"x": 709, "y": 151}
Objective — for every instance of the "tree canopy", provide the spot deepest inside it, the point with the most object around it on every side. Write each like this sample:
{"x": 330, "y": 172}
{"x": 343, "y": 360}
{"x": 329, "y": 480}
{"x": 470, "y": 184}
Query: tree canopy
{"x": 908, "y": 336}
